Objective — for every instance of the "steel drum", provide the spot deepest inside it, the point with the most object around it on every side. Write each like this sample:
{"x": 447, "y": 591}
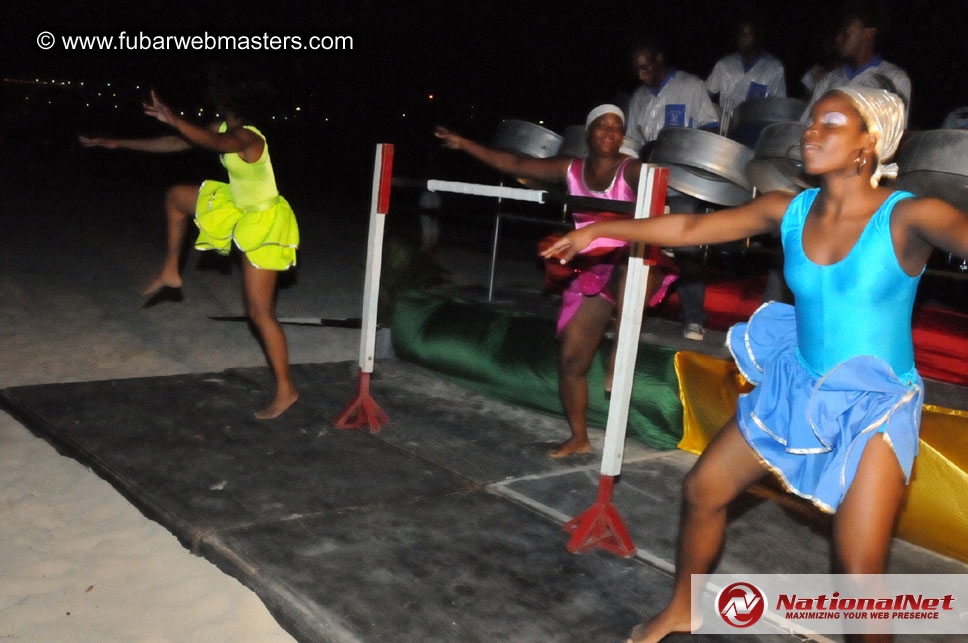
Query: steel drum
{"x": 527, "y": 139}
{"x": 777, "y": 161}
{"x": 751, "y": 117}
{"x": 704, "y": 165}
{"x": 575, "y": 143}
{"x": 630, "y": 147}
{"x": 935, "y": 164}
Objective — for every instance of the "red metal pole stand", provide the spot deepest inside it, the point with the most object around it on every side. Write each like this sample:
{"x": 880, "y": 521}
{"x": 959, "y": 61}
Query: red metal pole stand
{"x": 363, "y": 412}
{"x": 600, "y": 525}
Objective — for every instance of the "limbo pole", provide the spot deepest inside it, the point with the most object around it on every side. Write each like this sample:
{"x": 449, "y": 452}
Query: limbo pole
{"x": 522, "y": 194}
{"x": 601, "y": 525}
{"x": 495, "y": 191}
{"x": 363, "y": 412}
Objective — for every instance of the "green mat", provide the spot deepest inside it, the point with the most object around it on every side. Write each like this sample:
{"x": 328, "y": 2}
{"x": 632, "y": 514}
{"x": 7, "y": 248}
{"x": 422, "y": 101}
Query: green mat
{"x": 513, "y": 357}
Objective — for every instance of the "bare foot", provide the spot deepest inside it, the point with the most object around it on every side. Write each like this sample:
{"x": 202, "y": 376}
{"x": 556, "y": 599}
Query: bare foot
{"x": 659, "y": 627}
{"x": 277, "y": 407}
{"x": 573, "y": 446}
{"x": 162, "y": 281}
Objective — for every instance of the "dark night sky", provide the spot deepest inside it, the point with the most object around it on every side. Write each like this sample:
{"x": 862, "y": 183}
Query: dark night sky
{"x": 536, "y": 61}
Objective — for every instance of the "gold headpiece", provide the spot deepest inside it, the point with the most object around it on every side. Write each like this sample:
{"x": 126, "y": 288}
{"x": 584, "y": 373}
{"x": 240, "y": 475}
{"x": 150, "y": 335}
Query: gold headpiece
{"x": 883, "y": 111}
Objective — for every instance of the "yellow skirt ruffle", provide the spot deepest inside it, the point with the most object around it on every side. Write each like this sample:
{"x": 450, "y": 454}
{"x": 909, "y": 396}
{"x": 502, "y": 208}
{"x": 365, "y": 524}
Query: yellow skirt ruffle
{"x": 268, "y": 235}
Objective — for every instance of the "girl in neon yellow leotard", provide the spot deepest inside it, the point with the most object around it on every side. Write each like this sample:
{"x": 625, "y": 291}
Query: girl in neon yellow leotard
{"x": 247, "y": 212}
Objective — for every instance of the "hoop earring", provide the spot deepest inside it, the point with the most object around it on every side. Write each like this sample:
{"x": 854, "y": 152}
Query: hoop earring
{"x": 861, "y": 162}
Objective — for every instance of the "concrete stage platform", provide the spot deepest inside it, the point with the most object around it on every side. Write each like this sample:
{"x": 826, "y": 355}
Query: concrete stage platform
{"x": 445, "y": 526}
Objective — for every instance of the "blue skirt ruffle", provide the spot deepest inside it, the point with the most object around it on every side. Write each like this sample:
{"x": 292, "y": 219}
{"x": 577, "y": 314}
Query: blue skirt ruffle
{"x": 811, "y": 430}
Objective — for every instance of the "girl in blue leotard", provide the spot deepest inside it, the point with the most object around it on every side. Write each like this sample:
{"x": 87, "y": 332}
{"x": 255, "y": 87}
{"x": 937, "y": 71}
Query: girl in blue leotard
{"x": 836, "y": 408}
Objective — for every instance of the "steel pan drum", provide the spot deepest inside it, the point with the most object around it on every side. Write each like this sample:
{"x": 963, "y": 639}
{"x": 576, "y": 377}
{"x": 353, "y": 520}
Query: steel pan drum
{"x": 935, "y": 164}
{"x": 707, "y": 166}
{"x": 777, "y": 161}
{"x": 751, "y": 117}
{"x": 575, "y": 144}
{"x": 631, "y": 147}
{"x": 527, "y": 139}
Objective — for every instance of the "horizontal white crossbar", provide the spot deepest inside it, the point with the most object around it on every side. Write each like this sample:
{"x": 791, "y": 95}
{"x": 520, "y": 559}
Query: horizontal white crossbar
{"x": 478, "y": 189}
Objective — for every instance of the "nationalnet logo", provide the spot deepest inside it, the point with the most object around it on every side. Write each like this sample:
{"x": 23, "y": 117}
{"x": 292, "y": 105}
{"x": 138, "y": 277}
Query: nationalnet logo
{"x": 741, "y": 604}
{"x": 904, "y": 606}
{"x": 830, "y": 603}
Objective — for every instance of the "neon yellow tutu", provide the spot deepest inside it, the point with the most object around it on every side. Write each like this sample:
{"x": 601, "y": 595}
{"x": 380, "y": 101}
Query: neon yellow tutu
{"x": 267, "y": 233}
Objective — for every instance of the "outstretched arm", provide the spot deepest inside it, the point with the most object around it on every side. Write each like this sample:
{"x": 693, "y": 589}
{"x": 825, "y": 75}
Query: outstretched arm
{"x": 926, "y": 224}
{"x": 239, "y": 140}
{"x": 761, "y": 215}
{"x": 160, "y": 144}
{"x": 549, "y": 170}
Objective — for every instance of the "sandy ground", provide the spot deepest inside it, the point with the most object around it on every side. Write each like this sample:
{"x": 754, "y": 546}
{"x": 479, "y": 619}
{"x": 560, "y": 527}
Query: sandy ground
{"x": 77, "y": 561}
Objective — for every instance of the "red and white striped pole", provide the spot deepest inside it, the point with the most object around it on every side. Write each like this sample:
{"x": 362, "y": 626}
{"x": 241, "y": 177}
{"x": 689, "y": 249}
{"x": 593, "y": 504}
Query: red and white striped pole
{"x": 363, "y": 412}
{"x": 601, "y": 525}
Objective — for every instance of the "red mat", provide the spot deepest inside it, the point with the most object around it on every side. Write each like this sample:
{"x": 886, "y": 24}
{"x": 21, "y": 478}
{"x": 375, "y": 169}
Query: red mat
{"x": 940, "y": 334}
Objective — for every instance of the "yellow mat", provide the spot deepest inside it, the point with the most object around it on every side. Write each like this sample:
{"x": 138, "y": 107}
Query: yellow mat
{"x": 935, "y": 514}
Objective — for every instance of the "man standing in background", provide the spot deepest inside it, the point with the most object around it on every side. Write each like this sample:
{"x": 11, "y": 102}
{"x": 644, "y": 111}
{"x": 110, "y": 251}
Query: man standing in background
{"x": 748, "y": 73}
{"x": 669, "y": 97}
{"x": 856, "y": 44}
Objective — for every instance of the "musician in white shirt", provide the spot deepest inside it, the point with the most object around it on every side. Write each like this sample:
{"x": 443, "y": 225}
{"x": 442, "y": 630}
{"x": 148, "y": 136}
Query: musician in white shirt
{"x": 856, "y": 44}
{"x": 746, "y": 74}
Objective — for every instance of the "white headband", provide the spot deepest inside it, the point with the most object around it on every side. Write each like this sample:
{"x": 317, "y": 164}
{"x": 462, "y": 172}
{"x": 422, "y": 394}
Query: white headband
{"x": 883, "y": 111}
{"x": 601, "y": 110}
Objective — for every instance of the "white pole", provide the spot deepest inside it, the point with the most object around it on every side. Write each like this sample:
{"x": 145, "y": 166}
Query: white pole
{"x": 476, "y": 189}
{"x": 630, "y": 327}
{"x": 374, "y": 262}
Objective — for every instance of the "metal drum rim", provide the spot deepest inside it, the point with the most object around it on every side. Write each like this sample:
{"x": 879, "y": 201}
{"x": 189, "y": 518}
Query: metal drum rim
{"x": 547, "y": 139}
{"x": 530, "y": 124}
{"x": 730, "y": 194}
{"x": 923, "y": 161}
{"x": 775, "y": 176}
{"x": 721, "y": 144}
{"x": 769, "y": 133}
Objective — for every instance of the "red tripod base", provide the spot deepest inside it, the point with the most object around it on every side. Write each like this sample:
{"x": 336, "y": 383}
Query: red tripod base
{"x": 363, "y": 412}
{"x": 600, "y": 525}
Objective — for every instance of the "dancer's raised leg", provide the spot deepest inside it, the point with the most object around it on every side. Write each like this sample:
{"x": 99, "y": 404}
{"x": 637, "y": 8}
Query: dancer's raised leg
{"x": 260, "y": 288}
{"x": 725, "y": 469}
{"x": 179, "y": 209}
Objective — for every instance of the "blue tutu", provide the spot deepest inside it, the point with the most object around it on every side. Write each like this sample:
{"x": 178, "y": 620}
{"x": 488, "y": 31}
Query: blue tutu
{"x": 811, "y": 429}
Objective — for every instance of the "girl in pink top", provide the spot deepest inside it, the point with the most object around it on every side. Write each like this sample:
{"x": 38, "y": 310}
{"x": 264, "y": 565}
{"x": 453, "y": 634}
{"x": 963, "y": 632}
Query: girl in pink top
{"x": 588, "y": 302}
{"x": 594, "y": 279}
